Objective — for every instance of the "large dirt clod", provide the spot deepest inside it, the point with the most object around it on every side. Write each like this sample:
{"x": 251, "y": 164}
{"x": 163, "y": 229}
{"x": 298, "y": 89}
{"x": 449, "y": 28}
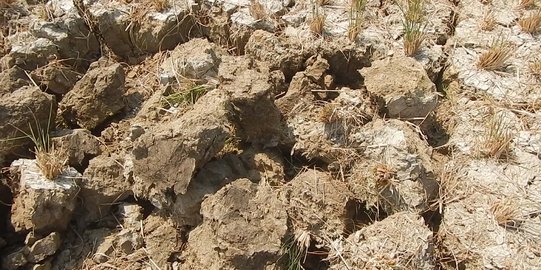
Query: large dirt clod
{"x": 489, "y": 207}
{"x": 250, "y": 93}
{"x": 397, "y": 172}
{"x": 27, "y": 109}
{"x": 196, "y": 59}
{"x": 399, "y": 241}
{"x": 103, "y": 185}
{"x": 131, "y": 30}
{"x": 243, "y": 226}
{"x": 43, "y": 205}
{"x": 30, "y": 53}
{"x": 96, "y": 97}
{"x": 166, "y": 156}
{"x": 79, "y": 145}
{"x": 76, "y": 44}
{"x": 12, "y": 79}
{"x": 321, "y": 211}
{"x": 410, "y": 94}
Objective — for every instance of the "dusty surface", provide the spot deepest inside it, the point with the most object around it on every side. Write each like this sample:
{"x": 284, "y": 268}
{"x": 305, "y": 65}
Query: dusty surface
{"x": 238, "y": 134}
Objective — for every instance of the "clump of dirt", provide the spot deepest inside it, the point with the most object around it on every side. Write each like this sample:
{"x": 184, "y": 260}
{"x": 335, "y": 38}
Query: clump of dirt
{"x": 236, "y": 135}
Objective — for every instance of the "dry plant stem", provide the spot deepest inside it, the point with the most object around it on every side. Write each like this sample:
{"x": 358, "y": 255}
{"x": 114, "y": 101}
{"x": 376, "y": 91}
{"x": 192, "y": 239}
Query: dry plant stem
{"x": 488, "y": 23}
{"x": 413, "y": 38}
{"x": 356, "y": 12}
{"x": 415, "y": 11}
{"x": 531, "y": 23}
{"x": 535, "y": 68}
{"x": 496, "y": 56}
{"x": 525, "y": 4}
{"x": 6, "y": 3}
{"x": 50, "y": 162}
{"x": 497, "y": 141}
{"x": 317, "y": 24}
{"x": 413, "y": 23}
{"x": 505, "y": 213}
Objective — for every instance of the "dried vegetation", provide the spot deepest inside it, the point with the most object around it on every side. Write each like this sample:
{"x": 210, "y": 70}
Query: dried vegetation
{"x": 496, "y": 56}
{"x": 530, "y": 23}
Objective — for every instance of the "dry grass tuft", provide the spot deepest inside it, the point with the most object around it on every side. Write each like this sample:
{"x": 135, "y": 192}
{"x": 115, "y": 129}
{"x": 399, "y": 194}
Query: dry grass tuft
{"x": 414, "y": 23}
{"x": 451, "y": 187}
{"x": 526, "y": 4}
{"x": 295, "y": 249}
{"x": 531, "y": 23}
{"x": 497, "y": 140}
{"x": 317, "y": 24}
{"x": 535, "y": 68}
{"x": 187, "y": 96}
{"x": 356, "y": 13}
{"x": 499, "y": 52}
{"x": 257, "y": 10}
{"x": 415, "y": 11}
{"x": 488, "y": 23}
{"x": 506, "y": 213}
{"x": 413, "y": 38}
{"x": 50, "y": 161}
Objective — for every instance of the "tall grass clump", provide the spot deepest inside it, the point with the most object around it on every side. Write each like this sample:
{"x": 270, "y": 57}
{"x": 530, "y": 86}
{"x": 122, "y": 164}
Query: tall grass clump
{"x": 356, "y": 11}
{"x": 414, "y": 24}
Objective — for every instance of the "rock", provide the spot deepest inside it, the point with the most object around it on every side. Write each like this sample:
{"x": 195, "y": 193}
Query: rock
{"x": 129, "y": 240}
{"x": 144, "y": 30}
{"x": 105, "y": 250}
{"x": 396, "y": 172}
{"x": 131, "y": 214}
{"x": 399, "y": 241}
{"x": 21, "y": 109}
{"x": 31, "y": 238}
{"x": 103, "y": 184}
{"x": 44, "y": 247}
{"x": 219, "y": 244}
{"x": 257, "y": 166}
{"x": 211, "y": 178}
{"x": 322, "y": 131}
{"x": 96, "y": 97}
{"x": 30, "y": 53}
{"x": 167, "y": 155}
{"x": 488, "y": 205}
{"x": 12, "y": 79}
{"x": 277, "y": 52}
{"x": 15, "y": 260}
{"x": 57, "y": 78}
{"x": 251, "y": 97}
{"x": 162, "y": 240}
{"x": 196, "y": 59}
{"x": 79, "y": 145}
{"x": 410, "y": 94}
{"x": 316, "y": 202}
{"x": 76, "y": 45}
{"x": 43, "y": 205}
